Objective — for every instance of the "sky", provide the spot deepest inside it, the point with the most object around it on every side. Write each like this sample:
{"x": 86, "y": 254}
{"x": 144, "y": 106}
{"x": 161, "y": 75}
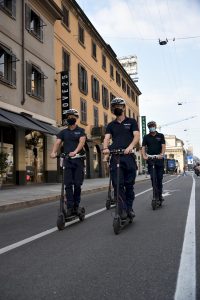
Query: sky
{"x": 168, "y": 74}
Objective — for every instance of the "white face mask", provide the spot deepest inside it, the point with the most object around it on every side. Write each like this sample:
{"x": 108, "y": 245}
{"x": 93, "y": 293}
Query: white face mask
{"x": 152, "y": 129}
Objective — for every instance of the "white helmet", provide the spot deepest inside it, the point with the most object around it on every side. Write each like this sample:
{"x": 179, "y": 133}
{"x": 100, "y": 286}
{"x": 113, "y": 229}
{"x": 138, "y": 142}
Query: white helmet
{"x": 73, "y": 112}
{"x": 118, "y": 101}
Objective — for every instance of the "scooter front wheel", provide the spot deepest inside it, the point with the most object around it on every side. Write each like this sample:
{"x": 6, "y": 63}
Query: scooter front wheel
{"x": 61, "y": 222}
{"x": 116, "y": 225}
{"x": 82, "y": 214}
{"x": 108, "y": 204}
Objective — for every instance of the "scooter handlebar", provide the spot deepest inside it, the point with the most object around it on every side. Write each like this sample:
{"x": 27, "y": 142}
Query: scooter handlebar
{"x": 154, "y": 156}
{"x": 119, "y": 151}
{"x": 66, "y": 156}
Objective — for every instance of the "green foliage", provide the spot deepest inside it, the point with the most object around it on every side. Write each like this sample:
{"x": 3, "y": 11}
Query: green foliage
{"x": 3, "y": 162}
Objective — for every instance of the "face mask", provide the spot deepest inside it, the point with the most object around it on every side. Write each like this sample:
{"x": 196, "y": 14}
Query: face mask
{"x": 71, "y": 121}
{"x": 152, "y": 129}
{"x": 118, "y": 111}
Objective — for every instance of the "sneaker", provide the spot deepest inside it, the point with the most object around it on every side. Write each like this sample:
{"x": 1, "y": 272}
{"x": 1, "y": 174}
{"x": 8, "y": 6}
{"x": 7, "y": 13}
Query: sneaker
{"x": 76, "y": 210}
{"x": 131, "y": 214}
{"x": 161, "y": 198}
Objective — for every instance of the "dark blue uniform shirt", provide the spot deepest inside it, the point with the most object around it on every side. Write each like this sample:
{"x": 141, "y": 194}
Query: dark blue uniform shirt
{"x": 122, "y": 133}
{"x": 71, "y": 138}
{"x": 153, "y": 143}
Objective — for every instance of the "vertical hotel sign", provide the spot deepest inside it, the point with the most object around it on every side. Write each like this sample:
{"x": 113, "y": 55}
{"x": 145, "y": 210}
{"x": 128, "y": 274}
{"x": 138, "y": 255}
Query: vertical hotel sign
{"x": 143, "y": 121}
{"x": 64, "y": 95}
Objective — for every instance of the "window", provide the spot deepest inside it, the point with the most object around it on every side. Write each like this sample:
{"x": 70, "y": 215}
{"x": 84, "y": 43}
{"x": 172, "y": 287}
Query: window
{"x": 96, "y": 116}
{"x": 7, "y": 65}
{"x": 83, "y": 111}
{"x": 111, "y": 97}
{"x": 132, "y": 96}
{"x": 94, "y": 50}
{"x": 105, "y": 117}
{"x": 95, "y": 89}
{"x": 35, "y": 81}
{"x": 118, "y": 78}
{"x": 65, "y": 19}
{"x": 128, "y": 90}
{"x": 123, "y": 85}
{"x": 81, "y": 34}
{"x": 136, "y": 100}
{"x": 34, "y": 23}
{"x": 65, "y": 60}
{"x": 129, "y": 113}
{"x": 133, "y": 115}
{"x": 104, "y": 61}
{"x": 8, "y": 6}
{"x": 105, "y": 100}
{"x": 111, "y": 71}
{"x": 82, "y": 79}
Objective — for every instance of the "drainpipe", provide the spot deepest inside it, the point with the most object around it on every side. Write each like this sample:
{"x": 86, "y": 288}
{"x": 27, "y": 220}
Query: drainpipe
{"x": 23, "y": 55}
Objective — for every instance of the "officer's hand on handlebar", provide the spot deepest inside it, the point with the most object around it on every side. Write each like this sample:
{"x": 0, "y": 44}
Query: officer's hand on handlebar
{"x": 145, "y": 157}
{"x": 53, "y": 154}
{"x": 72, "y": 154}
{"x": 106, "y": 151}
{"x": 128, "y": 150}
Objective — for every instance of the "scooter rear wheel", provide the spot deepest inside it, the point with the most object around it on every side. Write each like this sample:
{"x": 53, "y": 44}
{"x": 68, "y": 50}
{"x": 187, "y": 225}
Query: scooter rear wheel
{"x": 116, "y": 225}
{"x": 61, "y": 222}
{"x": 108, "y": 204}
{"x": 82, "y": 214}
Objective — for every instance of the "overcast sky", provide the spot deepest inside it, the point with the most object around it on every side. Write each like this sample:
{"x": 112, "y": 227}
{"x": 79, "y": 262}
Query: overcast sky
{"x": 167, "y": 74}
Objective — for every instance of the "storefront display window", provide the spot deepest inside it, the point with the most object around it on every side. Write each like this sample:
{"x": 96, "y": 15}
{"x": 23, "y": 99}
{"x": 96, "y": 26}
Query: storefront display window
{"x": 34, "y": 142}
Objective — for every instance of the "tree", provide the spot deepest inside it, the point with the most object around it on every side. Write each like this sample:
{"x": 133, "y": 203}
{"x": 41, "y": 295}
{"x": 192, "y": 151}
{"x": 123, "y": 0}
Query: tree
{"x": 3, "y": 163}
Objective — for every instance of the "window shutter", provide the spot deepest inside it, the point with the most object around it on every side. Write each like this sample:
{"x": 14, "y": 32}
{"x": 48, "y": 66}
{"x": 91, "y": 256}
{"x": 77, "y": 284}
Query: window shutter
{"x": 42, "y": 85}
{"x": 28, "y": 16}
{"x": 86, "y": 82}
{"x": 41, "y": 29}
{"x": 79, "y": 77}
{"x": 28, "y": 77}
{"x": 92, "y": 83}
{"x": 13, "y": 75}
{"x": 14, "y": 8}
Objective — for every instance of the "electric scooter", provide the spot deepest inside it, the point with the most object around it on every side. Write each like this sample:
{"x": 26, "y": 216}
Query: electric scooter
{"x": 118, "y": 222}
{"x": 62, "y": 213}
{"x": 110, "y": 196}
{"x": 155, "y": 203}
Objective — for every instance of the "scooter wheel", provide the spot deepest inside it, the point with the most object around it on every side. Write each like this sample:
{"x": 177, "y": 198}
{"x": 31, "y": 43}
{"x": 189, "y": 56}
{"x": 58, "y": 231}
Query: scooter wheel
{"x": 108, "y": 204}
{"x": 61, "y": 222}
{"x": 153, "y": 204}
{"x": 116, "y": 225}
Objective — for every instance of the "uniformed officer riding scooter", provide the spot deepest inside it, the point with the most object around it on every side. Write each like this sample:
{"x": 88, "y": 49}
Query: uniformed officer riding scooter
{"x": 125, "y": 134}
{"x": 73, "y": 138}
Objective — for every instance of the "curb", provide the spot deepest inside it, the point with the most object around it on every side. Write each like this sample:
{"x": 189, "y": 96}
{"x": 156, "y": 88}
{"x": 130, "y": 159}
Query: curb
{"x": 38, "y": 201}
{"x": 48, "y": 199}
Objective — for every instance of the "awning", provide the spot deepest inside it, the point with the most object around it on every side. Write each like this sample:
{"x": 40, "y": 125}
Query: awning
{"x": 26, "y": 122}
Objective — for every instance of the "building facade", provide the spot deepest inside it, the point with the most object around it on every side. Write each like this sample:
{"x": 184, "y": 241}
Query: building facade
{"x": 95, "y": 78}
{"x": 27, "y": 89}
{"x": 175, "y": 149}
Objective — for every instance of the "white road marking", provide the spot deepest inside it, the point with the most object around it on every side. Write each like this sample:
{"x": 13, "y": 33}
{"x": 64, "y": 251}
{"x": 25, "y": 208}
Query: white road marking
{"x": 49, "y": 231}
{"x": 186, "y": 281}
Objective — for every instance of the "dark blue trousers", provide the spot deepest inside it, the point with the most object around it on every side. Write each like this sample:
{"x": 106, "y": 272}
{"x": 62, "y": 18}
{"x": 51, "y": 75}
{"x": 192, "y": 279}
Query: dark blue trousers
{"x": 73, "y": 179}
{"x": 159, "y": 170}
{"x": 126, "y": 179}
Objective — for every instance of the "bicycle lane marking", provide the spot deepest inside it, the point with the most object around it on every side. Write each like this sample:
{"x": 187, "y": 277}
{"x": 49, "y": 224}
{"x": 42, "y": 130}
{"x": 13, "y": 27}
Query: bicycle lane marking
{"x": 186, "y": 280}
{"x": 49, "y": 231}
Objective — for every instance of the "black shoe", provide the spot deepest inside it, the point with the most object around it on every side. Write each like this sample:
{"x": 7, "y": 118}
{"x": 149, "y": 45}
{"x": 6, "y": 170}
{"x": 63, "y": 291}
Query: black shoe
{"x": 161, "y": 199}
{"x": 123, "y": 214}
{"x": 69, "y": 212}
{"x": 76, "y": 210}
{"x": 131, "y": 214}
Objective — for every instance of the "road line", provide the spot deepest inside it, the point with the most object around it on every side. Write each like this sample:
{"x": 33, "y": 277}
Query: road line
{"x": 186, "y": 281}
{"x": 49, "y": 231}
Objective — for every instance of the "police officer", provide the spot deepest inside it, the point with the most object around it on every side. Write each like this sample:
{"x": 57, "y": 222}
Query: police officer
{"x": 124, "y": 133}
{"x": 73, "y": 138}
{"x": 154, "y": 144}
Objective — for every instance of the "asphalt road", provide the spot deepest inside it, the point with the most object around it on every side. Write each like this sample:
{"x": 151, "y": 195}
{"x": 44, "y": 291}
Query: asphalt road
{"x": 88, "y": 261}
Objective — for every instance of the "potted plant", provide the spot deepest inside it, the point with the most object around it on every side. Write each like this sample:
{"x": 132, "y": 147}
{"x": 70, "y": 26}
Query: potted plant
{"x": 3, "y": 166}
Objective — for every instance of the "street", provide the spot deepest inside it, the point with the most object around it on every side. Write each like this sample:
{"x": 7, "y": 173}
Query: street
{"x": 88, "y": 261}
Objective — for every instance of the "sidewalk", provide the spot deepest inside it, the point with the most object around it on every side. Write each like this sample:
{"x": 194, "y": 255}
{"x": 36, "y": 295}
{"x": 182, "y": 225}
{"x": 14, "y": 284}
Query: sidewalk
{"x": 31, "y": 195}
